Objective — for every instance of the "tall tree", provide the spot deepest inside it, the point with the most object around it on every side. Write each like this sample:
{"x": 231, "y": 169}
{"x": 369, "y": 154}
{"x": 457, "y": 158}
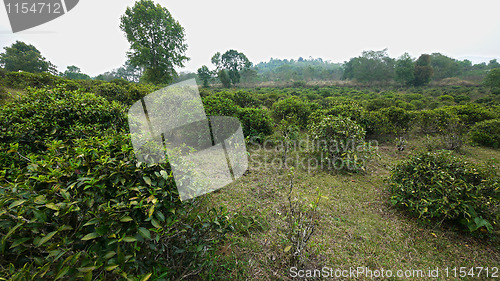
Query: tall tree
{"x": 233, "y": 62}
{"x": 156, "y": 41}
{"x": 404, "y": 69}
{"x": 423, "y": 70}
{"x": 444, "y": 67}
{"x": 74, "y": 72}
{"x": 492, "y": 79}
{"x": 24, "y": 57}
{"x": 370, "y": 66}
{"x": 205, "y": 75}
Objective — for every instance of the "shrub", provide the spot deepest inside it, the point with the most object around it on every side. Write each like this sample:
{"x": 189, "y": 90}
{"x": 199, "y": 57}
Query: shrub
{"x": 216, "y": 105}
{"x": 336, "y": 141}
{"x": 255, "y": 122}
{"x": 486, "y": 133}
{"x": 470, "y": 114}
{"x": 439, "y": 186}
{"x": 292, "y": 108}
{"x": 90, "y": 210}
{"x": 400, "y": 119}
{"x": 57, "y": 114}
{"x": 111, "y": 91}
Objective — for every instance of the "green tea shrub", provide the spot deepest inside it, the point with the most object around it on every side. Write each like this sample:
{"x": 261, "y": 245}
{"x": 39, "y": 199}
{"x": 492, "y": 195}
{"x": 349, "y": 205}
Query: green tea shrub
{"x": 486, "y": 133}
{"x": 21, "y": 80}
{"x": 336, "y": 140}
{"x": 245, "y": 99}
{"x": 439, "y": 186}
{"x": 400, "y": 119}
{"x": 111, "y": 91}
{"x": 57, "y": 114}
{"x": 292, "y": 108}
{"x": 470, "y": 114}
{"x": 216, "y": 105}
{"x": 255, "y": 122}
{"x": 89, "y": 210}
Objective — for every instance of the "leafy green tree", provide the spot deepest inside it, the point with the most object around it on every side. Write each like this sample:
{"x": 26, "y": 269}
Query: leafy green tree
{"x": 232, "y": 61}
{"x": 370, "y": 66}
{"x": 493, "y": 64}
{"x": 205, "y": 75}
{"x": 224, "y": 78}
{"x": 444, "y": 67}
{"x": 423, "y": 70}
{"x": 404, "y": 69}
{"x": 24, "y": 57}
{"x": 157, "y": 41}
{"x": 492, "y": 79}
{"x": 74, "y": 72}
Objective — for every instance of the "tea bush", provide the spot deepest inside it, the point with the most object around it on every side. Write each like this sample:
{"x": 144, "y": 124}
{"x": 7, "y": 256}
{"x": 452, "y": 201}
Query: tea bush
{"x": 439, "y": 186}
{"x": 292, "y": 108}
{"x": 255, "y": 122}
{"x": 57, "y": 114}
{"x": 89, "y": 210}
{"x": 336, "y": 140}
{"x": 486, "y": 133}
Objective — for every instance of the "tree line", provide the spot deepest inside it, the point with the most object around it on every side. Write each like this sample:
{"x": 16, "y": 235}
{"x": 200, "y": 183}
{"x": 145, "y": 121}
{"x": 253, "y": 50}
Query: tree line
{"x": 157, "y": 48}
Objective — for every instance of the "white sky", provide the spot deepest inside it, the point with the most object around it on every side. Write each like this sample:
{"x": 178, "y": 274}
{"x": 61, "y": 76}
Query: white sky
{"x": 90, "y": 38}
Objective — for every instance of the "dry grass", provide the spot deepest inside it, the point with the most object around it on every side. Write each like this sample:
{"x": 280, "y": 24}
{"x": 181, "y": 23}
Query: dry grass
{"x": 357, "y": 227}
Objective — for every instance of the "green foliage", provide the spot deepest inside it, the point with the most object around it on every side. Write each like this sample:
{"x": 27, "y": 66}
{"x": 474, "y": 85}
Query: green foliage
{"x": 292, "y": 108}
{"x": 57, "y": 114}
{"x": 23, "y": 57}
{"x": 400, "y": 120}
{"x": 256, "y": 122}
{"x": 205, "y": 75}
{"x": 224, "y": 78}
{"x": 444, "y": 67}
{"x": 423, "y": 70}
{"x": 486, "y": 133}
{"x": 217, "y": 105}
{"x": 88, "y": 210}
{"x": 74, "y": 72}
{"x": 404, "y": 69}
{"x": 299, "y": 70}
{"x": 233, "y": 62}
{"x": 336, "y": 140}
{"x": 370, "y": 66}
{"x": 439, "y": 186}
{"x": 492, "y": 79}
{"x": 21, "y": 80}
{"x": 156, "y": 39}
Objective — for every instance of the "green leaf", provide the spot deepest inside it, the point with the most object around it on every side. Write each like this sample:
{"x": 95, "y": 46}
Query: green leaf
{"x": 62, "y": 272}
{"x": 146, "y": 277}
{"x": 111, "y": 267}
{"x": 92, "y": 221}
{"x": 46, "y": 238}
{"x": 144, "y": 232}
{"x": 90, "y": 236}
{"x": 86, "y": 269}
{"x": 11, "y": 231}
{"x": 109, "y": 254}
{"x": 147, "y": 180}
{"x": 19, "y": 242}
{"x": 126, "y": 219}
{"x": 16, "y": 203}
{"x": 288, "y": 248}
{"x": 129, "y": 239}
{"x": 52, "y": 206}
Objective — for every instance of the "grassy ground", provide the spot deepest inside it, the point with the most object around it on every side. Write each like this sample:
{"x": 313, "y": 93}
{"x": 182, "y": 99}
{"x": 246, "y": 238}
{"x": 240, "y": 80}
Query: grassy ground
{"x": 7, "y": 94}
{"x": 356, "y": 226}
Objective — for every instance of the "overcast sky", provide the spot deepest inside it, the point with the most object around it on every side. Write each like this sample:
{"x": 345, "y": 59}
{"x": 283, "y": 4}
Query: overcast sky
{"x": 90, "y": 38}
